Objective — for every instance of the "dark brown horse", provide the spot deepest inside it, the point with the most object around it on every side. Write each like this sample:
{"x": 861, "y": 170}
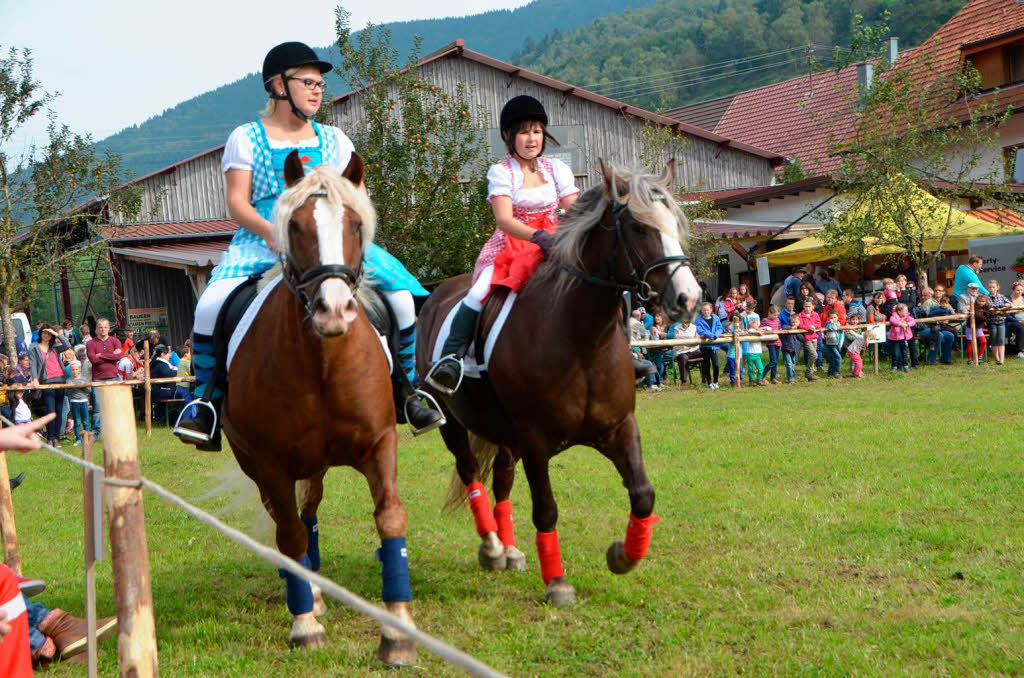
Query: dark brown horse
{"x": 561, "y": 373}
{"x": 330, "y": 404}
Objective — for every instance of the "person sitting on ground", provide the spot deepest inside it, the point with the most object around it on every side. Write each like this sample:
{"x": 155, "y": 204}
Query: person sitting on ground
{"x": 854, "y": 308}
{"x": 771, "y": 324}
{"x": 982, "y": 313}
{"x": 709, "y": 326}
{"x": 684, "y": 330}
{"x": 810, "y": 320}
{"x": 791, "y": 344}
{"x": 901, "y": 331}
{"x": 833, "y": 339}
{"x": 1015, "y": 321}
{"x": 997, "y": 322}
{"x": 752, "y": 349}
{"x": 854, "y": 348}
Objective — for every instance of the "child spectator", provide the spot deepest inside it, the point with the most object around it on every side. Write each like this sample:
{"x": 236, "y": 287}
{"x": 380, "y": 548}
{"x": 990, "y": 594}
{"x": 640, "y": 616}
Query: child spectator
{"x": 788, "y": 309}
{"x": 855, "y": 311}
{"x": 854, "y": 348}
{"x": 79, "y": 397}
{"x": 709, "y": 326}
{"x": 791, "y": 344}
{"x": 772, "y": 324}
{"x": 183, "y": 392}
{"x": 128, "y": 365}
{"x": 811, "y": 321}
{"x": 752, "y": 351}
{"x": 684, "y": 330}
{"x": 833, "y": 342}
{"x": 982, "y": 314}
{"x": 735, "y": 328}
{"x": 833, "y": 305}
{"x": 997, "y": 322}
{"x": 889, "y": 289}
{"x": 901, "y": 331}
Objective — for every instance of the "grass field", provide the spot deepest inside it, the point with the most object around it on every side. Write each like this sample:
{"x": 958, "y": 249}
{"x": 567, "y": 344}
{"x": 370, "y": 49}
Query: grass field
{"x": 854, "y": 527}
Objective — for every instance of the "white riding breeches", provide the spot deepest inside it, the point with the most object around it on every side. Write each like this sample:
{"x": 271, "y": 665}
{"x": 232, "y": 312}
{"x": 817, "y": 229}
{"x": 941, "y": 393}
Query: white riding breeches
{"x": 210, "y": 302}
{"x": 475, "y": 297}
{"x": 403, "y": 306}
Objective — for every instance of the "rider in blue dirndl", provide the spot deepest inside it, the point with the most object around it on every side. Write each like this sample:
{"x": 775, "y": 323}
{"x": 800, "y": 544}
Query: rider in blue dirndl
{"x": 253, "y": 166}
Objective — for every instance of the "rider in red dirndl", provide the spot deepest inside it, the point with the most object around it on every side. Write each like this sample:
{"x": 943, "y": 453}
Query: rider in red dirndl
{"x": 525, "y": 191}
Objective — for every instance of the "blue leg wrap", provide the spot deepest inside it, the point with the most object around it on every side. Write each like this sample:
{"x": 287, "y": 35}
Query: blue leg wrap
{"x": 203, "y": 362}
{"x": 395, "y": 573}
{"x": 298, "y": 590}
{"x": 407, "y": 353}
{"x": 313, "y": 537}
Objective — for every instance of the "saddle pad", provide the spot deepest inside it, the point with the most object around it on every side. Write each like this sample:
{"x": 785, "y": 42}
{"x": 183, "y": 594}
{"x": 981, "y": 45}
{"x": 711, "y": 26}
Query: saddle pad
{"x": 250, "y": 315}
{"x": 470, "y": 367}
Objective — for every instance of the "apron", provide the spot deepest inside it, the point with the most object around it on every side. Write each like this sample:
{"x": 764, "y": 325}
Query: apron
{"x": 519, "y": 258}
{"x": 249, "y": 254}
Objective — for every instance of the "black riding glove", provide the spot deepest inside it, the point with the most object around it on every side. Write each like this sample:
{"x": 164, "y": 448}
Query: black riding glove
{"x": 543, "y": 240}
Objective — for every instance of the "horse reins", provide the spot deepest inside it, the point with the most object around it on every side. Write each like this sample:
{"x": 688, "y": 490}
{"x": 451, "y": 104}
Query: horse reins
{"x": 299, "y": 281}
{"x": 638, "y": 284}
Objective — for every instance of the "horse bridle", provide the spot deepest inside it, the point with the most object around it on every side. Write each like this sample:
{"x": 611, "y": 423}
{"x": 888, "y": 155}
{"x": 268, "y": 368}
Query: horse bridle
{"x": 299, "y": 281}
{"x": 637, "y": 284}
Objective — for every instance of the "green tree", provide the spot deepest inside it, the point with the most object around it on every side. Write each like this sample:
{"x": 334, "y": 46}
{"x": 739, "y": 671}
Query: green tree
{"x": 40, "y": 189}
{"x": 922, "y": 129}
{"x": 426, "y": 156}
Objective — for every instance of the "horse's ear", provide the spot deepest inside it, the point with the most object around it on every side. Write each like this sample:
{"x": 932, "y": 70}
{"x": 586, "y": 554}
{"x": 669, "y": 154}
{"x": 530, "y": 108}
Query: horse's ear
{"x": 615, "y": 189}
{"x": 355, "y": 170}
{"x": 293, "y": 169}
{"x": 668, "y": 176}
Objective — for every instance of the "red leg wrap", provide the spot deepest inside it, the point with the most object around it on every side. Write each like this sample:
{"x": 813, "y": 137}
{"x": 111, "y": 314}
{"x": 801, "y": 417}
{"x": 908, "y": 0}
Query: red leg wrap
{"x": 638, "y": 535}
{"x": 550, "y": 556}
{"x": 503, "y": 516}
{"x": 481, "y": 507}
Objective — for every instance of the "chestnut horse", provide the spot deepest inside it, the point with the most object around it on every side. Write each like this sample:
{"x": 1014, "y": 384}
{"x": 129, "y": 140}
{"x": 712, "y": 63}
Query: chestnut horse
{"x": 561, "y": 373}
{"x": 329, "y": 401}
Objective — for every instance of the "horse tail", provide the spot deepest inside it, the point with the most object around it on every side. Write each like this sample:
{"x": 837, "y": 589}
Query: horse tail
{"x": 484, "y": 452}
{"x": 241, "y": 502}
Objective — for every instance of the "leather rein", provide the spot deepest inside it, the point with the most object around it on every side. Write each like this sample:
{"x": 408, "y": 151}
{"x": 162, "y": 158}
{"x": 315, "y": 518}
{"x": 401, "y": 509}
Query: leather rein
{"x": 300, "y": 282}
{"x": 637, "y": 284}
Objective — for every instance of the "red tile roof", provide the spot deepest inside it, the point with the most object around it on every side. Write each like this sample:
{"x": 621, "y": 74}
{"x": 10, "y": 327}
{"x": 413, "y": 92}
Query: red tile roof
{"x": 458, "y": 50}
{"x": 796, "y": 118}
{"x": 170, "y": 230}
{"x": 1007, "y": 217}
{"x": 740, "y": 231}
{"x": 706, "y": 114}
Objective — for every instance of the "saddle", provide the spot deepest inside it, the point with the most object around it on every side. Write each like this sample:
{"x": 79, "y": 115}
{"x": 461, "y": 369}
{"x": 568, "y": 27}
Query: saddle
{"x": 488, "y": 316}
{"x": 230, "y": 315}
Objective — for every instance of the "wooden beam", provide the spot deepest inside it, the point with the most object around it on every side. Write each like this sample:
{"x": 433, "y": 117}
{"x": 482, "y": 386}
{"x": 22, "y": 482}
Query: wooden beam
{"x": 65, "y": 291}
{"x": 739, "y": 249}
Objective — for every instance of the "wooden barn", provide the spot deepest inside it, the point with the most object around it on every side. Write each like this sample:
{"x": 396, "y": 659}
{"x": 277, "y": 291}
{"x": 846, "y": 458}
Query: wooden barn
{"x": 161, "y": 264}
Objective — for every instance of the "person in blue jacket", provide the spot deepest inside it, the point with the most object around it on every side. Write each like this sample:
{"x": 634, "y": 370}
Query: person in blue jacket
{"x": 709, "y": 326}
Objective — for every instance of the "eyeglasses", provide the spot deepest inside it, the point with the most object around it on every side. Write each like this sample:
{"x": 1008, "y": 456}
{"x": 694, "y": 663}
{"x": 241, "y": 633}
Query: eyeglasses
{"x": 310, "y": 84}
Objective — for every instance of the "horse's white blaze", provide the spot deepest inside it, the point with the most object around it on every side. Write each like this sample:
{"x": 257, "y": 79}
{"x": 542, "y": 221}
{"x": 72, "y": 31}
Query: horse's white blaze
{"x": 683, "y": 280}
{"x": 330, "y": 233}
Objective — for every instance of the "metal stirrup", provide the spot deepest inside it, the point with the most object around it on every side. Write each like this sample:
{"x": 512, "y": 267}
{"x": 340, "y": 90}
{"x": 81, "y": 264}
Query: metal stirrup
{"x": 433, "y": 405}
{"x": 189, "y": 433}
{"x": 444, "y": 389}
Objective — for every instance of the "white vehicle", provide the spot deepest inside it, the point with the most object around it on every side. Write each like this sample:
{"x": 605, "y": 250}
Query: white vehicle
{"x": 21, "y": 327}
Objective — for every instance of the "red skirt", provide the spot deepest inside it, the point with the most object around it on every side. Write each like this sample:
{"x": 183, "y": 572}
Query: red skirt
{"x": 520, "y": 258}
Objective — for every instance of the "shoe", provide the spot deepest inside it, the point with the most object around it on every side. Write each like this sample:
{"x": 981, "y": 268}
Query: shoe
{"x": 70, "y": 634}
{"x": 17, "y": 480}
{"x": 711, "y": 387}
{"x": 905, "y": 370}
{"x": 446, "y": 374}
{"x": 763, "y": 382}
{"x": 200, "y": 426}
{"x": 421, "y": 417}
{"x": 813, "y": 377}
{"x": 31, "y": 587}
{"x": 1021, "y": 356}
{"x": 78, "y": 442}
{"x": 791, "y": 381}
{"x": 774, "y": 381}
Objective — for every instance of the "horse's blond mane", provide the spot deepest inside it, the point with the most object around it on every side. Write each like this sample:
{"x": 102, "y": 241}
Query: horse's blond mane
{"x": 647, "y": 200}
{"x": 340, "y": 193}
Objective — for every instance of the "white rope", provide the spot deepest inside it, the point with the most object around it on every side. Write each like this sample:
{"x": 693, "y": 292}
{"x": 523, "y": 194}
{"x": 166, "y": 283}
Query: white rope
{"x": 443, "y": 650}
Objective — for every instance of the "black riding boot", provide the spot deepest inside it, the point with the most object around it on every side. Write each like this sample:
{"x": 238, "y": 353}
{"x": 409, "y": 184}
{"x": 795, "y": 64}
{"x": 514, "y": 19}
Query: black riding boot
{"x": 447, "y": 373}
{"x": 200, "y": 427}
{"x": 410, "y": 409}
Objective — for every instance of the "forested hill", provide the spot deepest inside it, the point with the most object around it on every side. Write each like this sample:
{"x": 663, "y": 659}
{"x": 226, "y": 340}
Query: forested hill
{"x": 205, "y": 120}
{"x": 672, "y": 53}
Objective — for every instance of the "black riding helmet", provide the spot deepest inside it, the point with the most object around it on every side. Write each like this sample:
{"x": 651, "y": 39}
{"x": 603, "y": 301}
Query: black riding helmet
{"x": 286, "y": 56}
{"x": 518, "y": 110}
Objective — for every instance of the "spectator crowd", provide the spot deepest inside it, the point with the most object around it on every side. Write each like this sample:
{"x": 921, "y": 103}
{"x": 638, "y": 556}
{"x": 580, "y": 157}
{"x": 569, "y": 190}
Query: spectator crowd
{"x": 829, "y": 321}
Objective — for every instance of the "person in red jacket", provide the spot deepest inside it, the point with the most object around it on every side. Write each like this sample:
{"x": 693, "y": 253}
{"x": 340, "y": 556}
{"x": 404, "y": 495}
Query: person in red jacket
{"x": 833, "y": 303}
{"x": 810, "y": 320}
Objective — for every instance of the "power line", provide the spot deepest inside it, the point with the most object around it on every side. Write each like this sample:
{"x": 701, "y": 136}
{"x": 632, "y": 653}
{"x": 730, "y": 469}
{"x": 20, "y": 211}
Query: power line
{"x": 627, "y": 94}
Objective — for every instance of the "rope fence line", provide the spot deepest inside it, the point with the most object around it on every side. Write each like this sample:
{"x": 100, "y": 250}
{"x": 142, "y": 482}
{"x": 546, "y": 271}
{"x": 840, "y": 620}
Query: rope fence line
{"x": 440, "y": 648}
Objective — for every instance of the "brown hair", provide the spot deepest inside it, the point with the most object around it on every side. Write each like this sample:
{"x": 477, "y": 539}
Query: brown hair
{"x": 509, "y": 136}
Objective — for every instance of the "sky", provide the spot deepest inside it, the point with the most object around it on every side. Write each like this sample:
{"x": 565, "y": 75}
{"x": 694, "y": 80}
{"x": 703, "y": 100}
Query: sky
{"x": 118, "y": 62}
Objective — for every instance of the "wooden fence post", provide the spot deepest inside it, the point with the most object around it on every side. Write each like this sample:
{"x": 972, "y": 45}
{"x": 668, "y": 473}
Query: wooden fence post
{"x": 738, "y": 359}
{"x": 90, "y": 555}
{"x": 9, "y": 534}
{"x": 136, "y": 638}
{"x": 148, "y": 388}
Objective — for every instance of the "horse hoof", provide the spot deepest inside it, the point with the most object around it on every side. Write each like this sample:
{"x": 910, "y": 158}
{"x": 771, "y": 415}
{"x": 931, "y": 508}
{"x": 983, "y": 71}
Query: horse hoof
{"x": 618, "y": 561}
{"x": 307, "y": 632}
{"x": 514, "y": 559}
{"x": 319, "y": 606}
{"x": 491, "y": 555}
{"x": 396, "y": 652}
{"x": 560, "y": 593}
